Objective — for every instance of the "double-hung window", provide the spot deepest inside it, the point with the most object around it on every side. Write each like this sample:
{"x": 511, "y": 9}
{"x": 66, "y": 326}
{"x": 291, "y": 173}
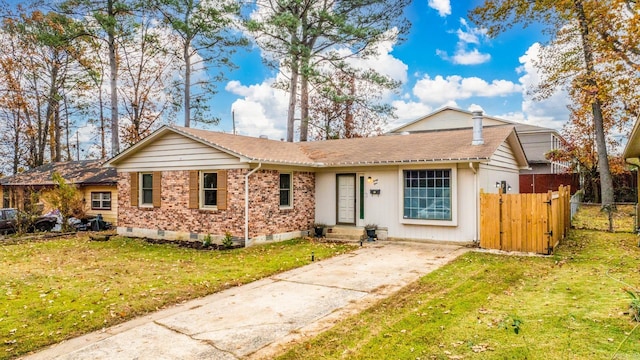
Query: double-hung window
{"x": 209, "y": 189}
{"x": 285, "y": 190}
{"x": 101, "y": 200}
{"x": 427, "y": 194}
{"x": 146, "y": 189}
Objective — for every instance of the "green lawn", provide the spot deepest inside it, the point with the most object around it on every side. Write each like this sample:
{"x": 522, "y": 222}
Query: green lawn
{"x": 568, "y": 306}
{"x": 57, "y": 289}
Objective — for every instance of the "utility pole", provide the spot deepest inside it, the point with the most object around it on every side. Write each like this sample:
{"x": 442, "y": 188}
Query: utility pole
{"x": 233, "y": 120}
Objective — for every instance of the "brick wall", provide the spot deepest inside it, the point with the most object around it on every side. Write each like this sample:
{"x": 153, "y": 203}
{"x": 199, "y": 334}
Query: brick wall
{"x": 266, "y": 217}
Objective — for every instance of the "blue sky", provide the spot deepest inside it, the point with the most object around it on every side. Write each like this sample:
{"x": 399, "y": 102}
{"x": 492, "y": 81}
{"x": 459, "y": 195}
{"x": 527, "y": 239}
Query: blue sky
{"x": 446, "y": 60}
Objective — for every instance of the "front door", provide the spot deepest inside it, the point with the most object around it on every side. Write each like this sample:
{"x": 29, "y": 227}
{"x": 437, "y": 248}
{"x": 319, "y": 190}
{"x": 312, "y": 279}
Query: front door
{"x": 346, "y": 201}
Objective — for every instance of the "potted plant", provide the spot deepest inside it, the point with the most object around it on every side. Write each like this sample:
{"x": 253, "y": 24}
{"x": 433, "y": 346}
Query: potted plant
{"x": 319, "y": 230}
{"x": 370, "y": 229}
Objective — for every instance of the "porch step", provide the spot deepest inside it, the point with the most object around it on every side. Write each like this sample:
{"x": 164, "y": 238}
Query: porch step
{"x": 342, "y": 232}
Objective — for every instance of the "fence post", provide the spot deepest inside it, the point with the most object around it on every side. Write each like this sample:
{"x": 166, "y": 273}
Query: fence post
{"x": 549, "y": 221}
{"x": 500, "y": 216}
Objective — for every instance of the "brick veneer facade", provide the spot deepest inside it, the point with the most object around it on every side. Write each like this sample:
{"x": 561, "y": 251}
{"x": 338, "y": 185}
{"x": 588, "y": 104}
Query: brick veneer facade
{"x": 266, "y": 218}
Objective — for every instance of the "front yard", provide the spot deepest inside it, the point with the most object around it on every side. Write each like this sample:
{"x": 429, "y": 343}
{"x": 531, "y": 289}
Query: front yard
{"x": 58, "y": 289}
{"x": 572, "y": 305}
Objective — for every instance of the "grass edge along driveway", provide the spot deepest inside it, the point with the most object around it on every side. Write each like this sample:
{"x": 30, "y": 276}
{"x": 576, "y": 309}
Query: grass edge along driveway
{"x": 485, "y": 306}
{"x": 59, "y": 289}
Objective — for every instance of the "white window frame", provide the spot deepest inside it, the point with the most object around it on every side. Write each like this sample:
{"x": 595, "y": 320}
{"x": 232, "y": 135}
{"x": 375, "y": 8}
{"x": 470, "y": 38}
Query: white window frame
{"x": 142, "y": 188}
{"x": 453, "y": 173}
{"x": 201, "y": 190}
{"x": 290, "y": 205}
{"x": 101, "y": 199}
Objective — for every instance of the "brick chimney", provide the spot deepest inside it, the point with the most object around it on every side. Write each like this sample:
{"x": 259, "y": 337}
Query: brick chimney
{"x": 477, "y": 128}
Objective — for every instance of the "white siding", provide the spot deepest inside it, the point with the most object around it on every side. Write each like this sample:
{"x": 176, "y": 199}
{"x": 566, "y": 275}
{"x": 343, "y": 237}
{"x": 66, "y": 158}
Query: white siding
{"x": 489, "y": 175}
{"x": 504, "y": 158}
{"x": 386, "y": 209}
{"x": 448, "y": 120}
{"x": 177, "y": 152}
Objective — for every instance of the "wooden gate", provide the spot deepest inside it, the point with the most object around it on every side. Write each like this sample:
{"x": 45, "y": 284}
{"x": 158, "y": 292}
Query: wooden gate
{"x": 524, "y": 222}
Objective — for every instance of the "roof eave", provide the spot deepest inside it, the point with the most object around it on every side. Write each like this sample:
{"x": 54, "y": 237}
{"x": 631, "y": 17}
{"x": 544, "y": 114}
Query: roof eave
{"x": 632, "y": 149}
{"x": 406, "y": 162}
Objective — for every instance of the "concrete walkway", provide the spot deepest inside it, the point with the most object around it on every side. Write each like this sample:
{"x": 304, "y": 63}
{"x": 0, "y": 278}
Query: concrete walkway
{"x": 259, "y": 319}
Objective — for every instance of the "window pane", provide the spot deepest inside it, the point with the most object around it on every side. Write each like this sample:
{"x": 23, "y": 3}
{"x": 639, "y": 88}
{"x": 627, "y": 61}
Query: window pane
{"x": 147, "y": 197}
{"x": 285, "y": 181}
{"x": 210, "y": 180}
{"x": 106, "y": 196}
{"x": 210, "y": 197}
{"x": 95, "y": 204}
{"x": 147, "y": 181}
{"x": 106, "y": 205}
{"x": 284, "y": 198}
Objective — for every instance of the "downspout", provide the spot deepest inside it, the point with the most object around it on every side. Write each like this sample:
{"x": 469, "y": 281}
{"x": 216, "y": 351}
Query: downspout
{"x": 246, "y": 204}
{"x": 475, "y": 199}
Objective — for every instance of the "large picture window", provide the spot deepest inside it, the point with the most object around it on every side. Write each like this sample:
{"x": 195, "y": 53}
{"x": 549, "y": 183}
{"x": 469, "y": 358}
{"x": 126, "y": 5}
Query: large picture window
{"x": 101, "y": 200}
{"x": 285, "y": 190}
{"x": 427, "y": 194}
{"x": 209, "y": 189}
{"x": 146, "y": 190}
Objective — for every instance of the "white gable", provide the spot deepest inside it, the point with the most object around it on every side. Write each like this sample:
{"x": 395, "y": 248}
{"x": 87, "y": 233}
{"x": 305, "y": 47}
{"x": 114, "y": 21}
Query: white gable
{"x": 504, "y": 157}
{"x": 176, "y": 152}
{"x": 447, "y": 119}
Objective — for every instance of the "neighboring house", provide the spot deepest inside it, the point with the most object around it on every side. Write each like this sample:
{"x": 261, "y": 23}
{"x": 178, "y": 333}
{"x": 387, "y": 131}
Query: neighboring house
{"x": 97, "y": 184}
{"x": 184, "y": 183}
{"x": 631, "y": 155}
{"x": 536, "y": 141}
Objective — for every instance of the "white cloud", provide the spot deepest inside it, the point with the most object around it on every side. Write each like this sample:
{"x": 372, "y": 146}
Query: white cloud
{"x": 442, "y": 6}
{"x": 262, "y": 111}
{"x": 441, "y": 90}
{"x": 381, "y": 61}
{"x": 475, "y": 107}
{"x": 473, "y": 57}
{"x": 409, "y": 110}
{"x": 467, "y": 35}
{"x": 551, "y": 112}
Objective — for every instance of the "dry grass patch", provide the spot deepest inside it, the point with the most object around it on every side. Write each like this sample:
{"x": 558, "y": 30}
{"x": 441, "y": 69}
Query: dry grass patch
{"x": 591, "y": 217}
{"x": 54, "y": 290}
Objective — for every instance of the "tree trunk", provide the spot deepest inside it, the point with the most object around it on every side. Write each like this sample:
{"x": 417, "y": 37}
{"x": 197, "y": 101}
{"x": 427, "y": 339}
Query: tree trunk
{"x": 606, "y": 181}
{"x": 293, "y": 92}
{"x": 103, "y": 146}
{"x": 304, "y": 107}
{"x": 57, "y": 132}
{"x": 113, "y": 66}
{"x": 51, "y": 112}
{"x": 187, "y": 84}
{"x": 16, "y": 142}
{"x": 348, "y": 117}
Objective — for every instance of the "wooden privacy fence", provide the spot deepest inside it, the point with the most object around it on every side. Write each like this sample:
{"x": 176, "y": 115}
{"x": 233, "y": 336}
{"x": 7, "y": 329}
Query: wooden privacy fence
{"x": 525, "y": 222}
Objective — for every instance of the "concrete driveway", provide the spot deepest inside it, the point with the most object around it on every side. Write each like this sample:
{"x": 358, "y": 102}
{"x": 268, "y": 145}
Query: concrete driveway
{"x": 257, "y": 320}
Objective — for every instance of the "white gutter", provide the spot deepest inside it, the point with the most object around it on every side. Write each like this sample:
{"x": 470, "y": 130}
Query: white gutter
{"x": 475, "y": 197}
{"x": 246, "y": 204}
